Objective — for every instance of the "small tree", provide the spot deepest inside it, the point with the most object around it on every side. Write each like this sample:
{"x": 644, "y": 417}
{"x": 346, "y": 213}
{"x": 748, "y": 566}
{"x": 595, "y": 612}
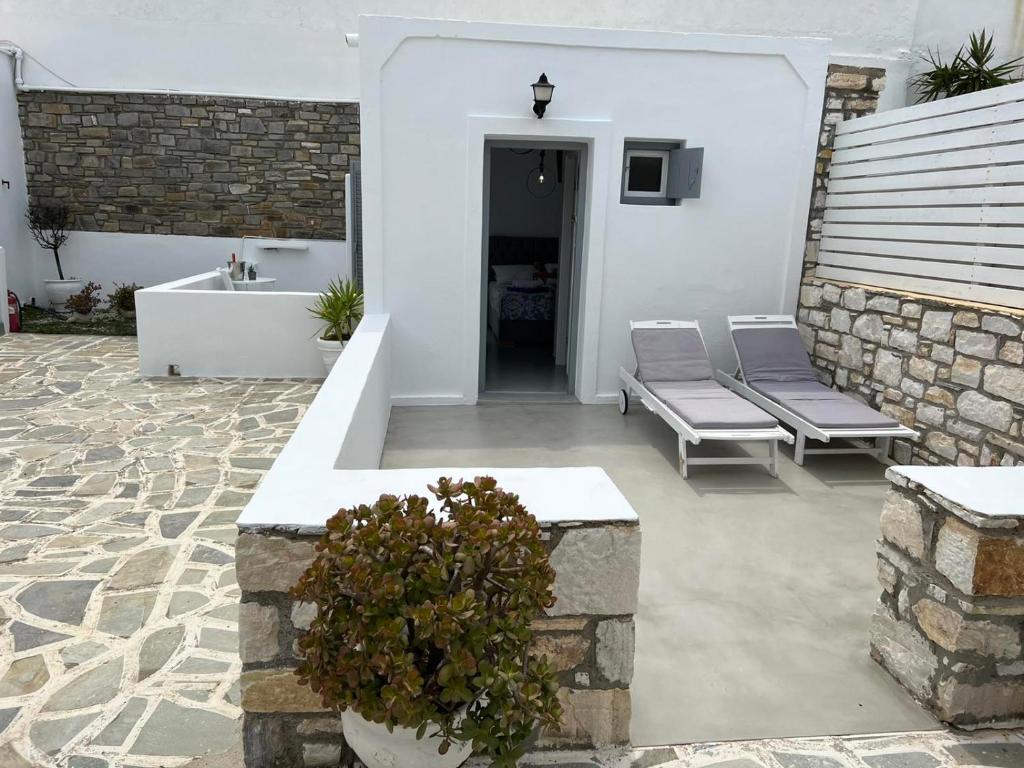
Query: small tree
{"x": 49, "y": 226}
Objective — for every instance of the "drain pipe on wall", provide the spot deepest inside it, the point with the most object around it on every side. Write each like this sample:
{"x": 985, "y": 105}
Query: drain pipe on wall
{"x": 18, "y": 55}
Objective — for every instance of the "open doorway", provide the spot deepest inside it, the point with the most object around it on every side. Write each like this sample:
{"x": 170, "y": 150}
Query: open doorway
{"x": 532, "y": 265}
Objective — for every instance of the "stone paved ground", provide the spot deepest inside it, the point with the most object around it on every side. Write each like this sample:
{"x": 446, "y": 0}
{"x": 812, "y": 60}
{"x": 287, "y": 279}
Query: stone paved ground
{"x": 929, "y": 749}
{"x": 118, "y": 601}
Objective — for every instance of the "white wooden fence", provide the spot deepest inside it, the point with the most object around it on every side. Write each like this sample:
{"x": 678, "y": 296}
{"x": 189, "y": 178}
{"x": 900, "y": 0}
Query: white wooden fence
{"x": 930, "y": 199}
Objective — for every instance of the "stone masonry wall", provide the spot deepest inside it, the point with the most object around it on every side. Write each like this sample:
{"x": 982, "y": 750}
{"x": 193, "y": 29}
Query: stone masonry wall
{"x": 587, "y": 635}
{"x": 952, "y": 371}
{"x": 849, "y": 92}
{"x": 191, "y": 165}
{"x": 951, "y": 614}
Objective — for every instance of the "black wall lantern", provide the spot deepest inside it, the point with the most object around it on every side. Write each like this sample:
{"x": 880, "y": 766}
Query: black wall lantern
{"x": 542, "y": 91}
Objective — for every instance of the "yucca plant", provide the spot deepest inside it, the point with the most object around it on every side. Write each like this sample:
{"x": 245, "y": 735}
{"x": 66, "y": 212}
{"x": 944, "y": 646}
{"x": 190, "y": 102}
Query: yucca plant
{"x": 970, "y": 70}
{"x": 339, "y": 308}
{"x": 424, "y": 618}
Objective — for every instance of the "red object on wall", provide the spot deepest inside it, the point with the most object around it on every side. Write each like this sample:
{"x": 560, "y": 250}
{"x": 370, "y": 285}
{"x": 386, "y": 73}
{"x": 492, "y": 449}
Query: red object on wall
{"x": 14, "y": 311}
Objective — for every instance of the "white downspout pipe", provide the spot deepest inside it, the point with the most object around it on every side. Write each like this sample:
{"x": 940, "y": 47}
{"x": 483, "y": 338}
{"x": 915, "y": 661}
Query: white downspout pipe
{"x": 19, "y": 56}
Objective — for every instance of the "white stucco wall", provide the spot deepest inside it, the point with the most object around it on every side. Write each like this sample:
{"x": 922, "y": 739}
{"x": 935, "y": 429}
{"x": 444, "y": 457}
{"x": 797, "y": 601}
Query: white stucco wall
{"x": 297, "y": 49}
{"x": 14, "y": 236}
{"x": 149, "y": 260}
{"x": 752, "y": 103}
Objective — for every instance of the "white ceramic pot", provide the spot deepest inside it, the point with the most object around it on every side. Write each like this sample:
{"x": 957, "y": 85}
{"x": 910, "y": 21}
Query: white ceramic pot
{"x": 329, "y": 351}
{"x": 58, "y": 291}
{"x": 400, "y": 748}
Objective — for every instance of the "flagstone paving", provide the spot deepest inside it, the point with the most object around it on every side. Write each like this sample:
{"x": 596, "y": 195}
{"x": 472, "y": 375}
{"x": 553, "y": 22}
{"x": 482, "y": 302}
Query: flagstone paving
{"x": 118, "y": 599}
{"x": 926, "y": 749}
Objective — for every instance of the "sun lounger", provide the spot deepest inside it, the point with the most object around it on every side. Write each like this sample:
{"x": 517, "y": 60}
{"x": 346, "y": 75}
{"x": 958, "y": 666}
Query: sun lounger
{"x": 674, "y": 379}
{"x": 775, "y": 374}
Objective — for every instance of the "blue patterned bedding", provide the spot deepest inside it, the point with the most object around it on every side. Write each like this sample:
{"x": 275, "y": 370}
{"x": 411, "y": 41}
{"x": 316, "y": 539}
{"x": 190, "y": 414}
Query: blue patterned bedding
{"x": 527, "y": 305}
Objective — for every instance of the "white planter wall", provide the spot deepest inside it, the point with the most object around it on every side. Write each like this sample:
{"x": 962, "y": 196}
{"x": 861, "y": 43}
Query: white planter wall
{"x": 151, "y": 260}
{"x": 211, "y": 332}
{"x": 14, "y": 236}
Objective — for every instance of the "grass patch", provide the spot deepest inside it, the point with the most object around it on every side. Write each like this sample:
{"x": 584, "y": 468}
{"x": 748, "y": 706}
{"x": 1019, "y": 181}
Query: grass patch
{"x": 104, "y": 322}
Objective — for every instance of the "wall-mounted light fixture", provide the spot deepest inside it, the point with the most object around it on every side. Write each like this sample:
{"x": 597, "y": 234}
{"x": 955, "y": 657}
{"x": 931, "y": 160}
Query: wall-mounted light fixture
{"x": 542, "y": 91}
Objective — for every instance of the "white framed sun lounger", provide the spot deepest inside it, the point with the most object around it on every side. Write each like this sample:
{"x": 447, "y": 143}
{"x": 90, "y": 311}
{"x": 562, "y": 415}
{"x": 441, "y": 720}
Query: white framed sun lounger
{"x": 804, "y": 429}
{"x": 687, "y": 433}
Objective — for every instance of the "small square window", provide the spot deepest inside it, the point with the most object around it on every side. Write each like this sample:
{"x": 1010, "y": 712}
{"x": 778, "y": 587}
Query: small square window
{"x": 646, "y": 173}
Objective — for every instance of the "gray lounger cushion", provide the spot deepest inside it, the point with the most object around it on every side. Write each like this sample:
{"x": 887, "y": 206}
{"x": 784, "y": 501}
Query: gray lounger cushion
{"x": 671, "y": 354}
{"x": 823, "y": 407}
{"x": 708, "y": 405}
{"x": 772, "y": 354}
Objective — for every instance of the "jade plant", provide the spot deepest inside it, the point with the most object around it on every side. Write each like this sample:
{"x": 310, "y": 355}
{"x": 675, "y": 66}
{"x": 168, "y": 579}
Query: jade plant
{"x": 424, "y": 617}
{"x": 123, "y": 298}
{"x": 85, "y": 301}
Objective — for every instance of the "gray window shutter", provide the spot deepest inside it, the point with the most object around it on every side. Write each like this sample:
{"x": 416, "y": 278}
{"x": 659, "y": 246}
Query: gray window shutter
{"x": 685, "y": 169}
{"x": 356, "y": 229}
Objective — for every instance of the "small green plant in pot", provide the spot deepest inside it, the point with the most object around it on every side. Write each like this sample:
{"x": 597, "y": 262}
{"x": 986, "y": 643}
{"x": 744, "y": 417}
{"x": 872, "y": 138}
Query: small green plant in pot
{"x": 83, "y": 304}
{"x": 339, "y": 308}
{"x": 972, "y": 69}
{"x": 423, "y": 625}
{"x": 122, "y": 300}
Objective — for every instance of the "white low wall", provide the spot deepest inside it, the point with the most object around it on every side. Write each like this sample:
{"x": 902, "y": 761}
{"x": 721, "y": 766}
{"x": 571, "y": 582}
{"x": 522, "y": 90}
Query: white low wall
{"x": 150, "y": 260}
{"x": 207, "y": 331}
{"x": 332, "y": 459}
{"x": 4, "y": 317}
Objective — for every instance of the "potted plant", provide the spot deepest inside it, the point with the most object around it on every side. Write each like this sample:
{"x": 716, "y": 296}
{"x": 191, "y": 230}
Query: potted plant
{"x": 423, "y": 625}
{"x": 84, "y": 303}
{"x": 339, "y": 308}
{"x": 971, "y": 70}
{"x": 122, "y": 300}
{"x": 49, "y": 225}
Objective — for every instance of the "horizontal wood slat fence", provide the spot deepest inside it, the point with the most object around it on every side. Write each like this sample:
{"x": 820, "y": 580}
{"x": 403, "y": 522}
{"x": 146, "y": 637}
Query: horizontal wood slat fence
{"x": 930, "y": 199}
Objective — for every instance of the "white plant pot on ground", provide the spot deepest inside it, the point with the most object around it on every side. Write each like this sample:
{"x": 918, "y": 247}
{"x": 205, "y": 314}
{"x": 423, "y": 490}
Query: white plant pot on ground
{"x": 329, "y": 351}
{"x": 58, "y": 291}
{"x": 400, "y": 748}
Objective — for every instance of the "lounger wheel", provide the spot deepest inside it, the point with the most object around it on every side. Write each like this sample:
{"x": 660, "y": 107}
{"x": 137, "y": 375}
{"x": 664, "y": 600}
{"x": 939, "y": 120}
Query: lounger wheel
{"x": 623, "y": 401}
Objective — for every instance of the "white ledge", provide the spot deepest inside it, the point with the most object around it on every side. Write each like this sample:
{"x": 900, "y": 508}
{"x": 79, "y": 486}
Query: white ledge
{"x": 990, "y": 492}
{"x": 331, "y": 461}
{"x": 552, "y": 495}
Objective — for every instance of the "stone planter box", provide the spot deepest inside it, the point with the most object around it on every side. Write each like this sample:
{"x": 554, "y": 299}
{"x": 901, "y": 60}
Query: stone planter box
{"x": 588, "y": 635}
{"x": 951, "y": 614}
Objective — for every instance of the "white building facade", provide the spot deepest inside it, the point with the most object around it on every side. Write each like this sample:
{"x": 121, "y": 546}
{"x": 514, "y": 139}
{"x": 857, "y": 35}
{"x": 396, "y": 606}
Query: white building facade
{"x": 742, "y": 80}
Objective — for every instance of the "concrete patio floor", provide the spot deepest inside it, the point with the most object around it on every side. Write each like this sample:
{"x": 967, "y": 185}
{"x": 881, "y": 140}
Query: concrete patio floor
{"x": 755, "y": 594}
{"x": 118, "y": 600}
{"x": 118, "y": 605}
